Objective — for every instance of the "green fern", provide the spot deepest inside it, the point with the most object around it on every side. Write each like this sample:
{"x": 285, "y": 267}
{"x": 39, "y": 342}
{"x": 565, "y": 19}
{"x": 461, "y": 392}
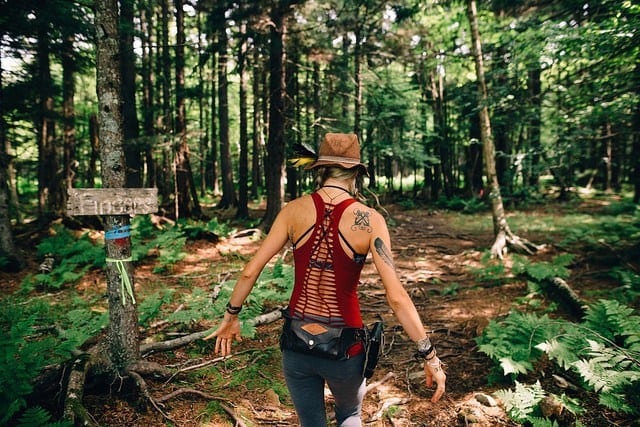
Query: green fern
{"x": 151, "y": 307}
{"x": 521, "y": 402}
{"x": 610, "y": 372}
{"x": 542, "y": 270}
{"x": 39, "y": 417}
{"x": 615, "y": 322}
{"x": 512, "y": 342}
{"x": 542, "y": 422}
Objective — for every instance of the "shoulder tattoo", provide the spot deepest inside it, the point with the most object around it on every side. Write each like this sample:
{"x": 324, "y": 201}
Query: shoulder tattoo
{"x": 384, "y": 252}
{"x": 361, "y": 221}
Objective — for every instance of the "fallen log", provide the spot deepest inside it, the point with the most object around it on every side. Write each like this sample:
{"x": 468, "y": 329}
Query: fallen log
{"x": 559, "y": 290}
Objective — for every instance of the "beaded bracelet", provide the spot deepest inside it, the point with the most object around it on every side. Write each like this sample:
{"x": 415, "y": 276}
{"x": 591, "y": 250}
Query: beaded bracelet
{"x": 231, "y": 309}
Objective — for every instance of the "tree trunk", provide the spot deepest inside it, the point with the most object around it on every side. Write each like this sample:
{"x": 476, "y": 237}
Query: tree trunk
{"x": 290, "y": 114}
{"x": 47, "y": 155}
{"x": 276, "y": 140}
{"x": 11, "y": 261}
{"x": 68, "y": 114}
{"x": 228, "y": 198}
{"x": 203, "y": 142}
{"x": 122, "y": 336}
{"x": 166, "y": 125}
{"x": 92, "y": 170}
{"x": 146, "y": 24}
{"x": 133, "y": 157}
{"x": 501, "y": 229}
{"x": 187, "y": 196}
{"x": 357, "y": 77}
{"x": 243, "y": 167}
{"x": 212, "y": 155}
{"x": 636, "y": 136}
{"x": 258, "y": 136}
{"x": 535, "y": 145}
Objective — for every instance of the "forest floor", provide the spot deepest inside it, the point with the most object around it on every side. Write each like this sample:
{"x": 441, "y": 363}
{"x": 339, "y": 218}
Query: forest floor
{"x": 435, "y": 256}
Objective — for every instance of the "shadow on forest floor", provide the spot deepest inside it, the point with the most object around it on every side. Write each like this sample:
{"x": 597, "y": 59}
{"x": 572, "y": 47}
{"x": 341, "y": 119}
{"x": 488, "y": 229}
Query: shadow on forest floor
{"x": 435, "y": 252}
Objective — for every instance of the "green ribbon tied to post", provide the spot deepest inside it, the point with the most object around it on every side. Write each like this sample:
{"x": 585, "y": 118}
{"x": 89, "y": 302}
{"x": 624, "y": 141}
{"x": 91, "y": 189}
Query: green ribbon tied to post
{"x": 125, "y": 281}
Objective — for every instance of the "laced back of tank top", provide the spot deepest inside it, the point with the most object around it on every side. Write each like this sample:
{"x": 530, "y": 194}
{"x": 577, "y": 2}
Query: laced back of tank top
{"x": 319, "y": 296}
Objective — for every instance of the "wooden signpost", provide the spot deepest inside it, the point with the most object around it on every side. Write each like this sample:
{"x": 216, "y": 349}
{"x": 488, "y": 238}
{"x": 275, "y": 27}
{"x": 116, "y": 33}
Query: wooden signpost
{"x": 112, "y": 201}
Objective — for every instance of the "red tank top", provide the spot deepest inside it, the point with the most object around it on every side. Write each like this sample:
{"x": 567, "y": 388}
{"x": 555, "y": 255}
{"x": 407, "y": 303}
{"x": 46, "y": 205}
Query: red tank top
{"x": 326, "y": 277}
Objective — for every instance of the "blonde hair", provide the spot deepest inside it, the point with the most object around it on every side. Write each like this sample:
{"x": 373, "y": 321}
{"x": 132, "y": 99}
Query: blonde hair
{"x": 352, "y": 176}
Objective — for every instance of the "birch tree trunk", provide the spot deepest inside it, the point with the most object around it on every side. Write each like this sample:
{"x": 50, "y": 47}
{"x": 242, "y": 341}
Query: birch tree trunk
{"x": 122, "y": 336}
{"x": 503, "y": 235}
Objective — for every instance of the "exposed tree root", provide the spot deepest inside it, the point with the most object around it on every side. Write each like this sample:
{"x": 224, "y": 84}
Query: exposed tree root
{"x": 142, "y": 385}
{"x": 506, "y": 239}
{"x": 74, "y": 410}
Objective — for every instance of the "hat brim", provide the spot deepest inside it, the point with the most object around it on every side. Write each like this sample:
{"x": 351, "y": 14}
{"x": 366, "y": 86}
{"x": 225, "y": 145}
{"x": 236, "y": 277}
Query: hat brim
{"x": 325, "y": 163}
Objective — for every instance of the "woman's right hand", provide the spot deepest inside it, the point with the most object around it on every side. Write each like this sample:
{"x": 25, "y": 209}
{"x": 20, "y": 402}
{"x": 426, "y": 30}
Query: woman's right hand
{"x": 228, "y": 330}
{"x": 433, "y": 372}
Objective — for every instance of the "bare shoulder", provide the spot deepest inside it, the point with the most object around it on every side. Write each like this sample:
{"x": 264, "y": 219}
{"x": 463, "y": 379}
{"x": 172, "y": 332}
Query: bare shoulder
{"x": 366, "y": 217}
{"x": 298, "y": 204}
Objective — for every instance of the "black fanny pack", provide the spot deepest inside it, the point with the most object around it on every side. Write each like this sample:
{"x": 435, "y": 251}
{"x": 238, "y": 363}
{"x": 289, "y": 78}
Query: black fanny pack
{"x": 318, "y": 339}
{"x": 329, "y": 342}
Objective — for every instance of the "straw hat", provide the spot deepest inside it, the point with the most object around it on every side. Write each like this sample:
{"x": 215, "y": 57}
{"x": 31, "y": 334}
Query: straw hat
{"x": 339, "y": 149}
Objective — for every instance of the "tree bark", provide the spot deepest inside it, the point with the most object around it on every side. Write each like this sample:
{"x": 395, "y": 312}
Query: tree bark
{"x": 122, "y": 336}
{"x": 47, "y": 155}
{"x": 258, "y": 136}
{"x": 148, "y": 94}
{"x": 636, "y": 136}
{"x": 7, "y": 247}
{"x": 501, "y": 229}
{"x": 187, "y": 196}
{"x": 276, "y": 140}
{"x": 68, "y": 113}
{"x": 133, "y": 155}
{"x": 228, "y": 198}
{"x": 534, "y": 87}
{"x": 243, "y": 167}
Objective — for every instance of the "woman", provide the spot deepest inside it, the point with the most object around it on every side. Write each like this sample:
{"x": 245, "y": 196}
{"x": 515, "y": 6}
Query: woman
{"x": 331, "y": 234}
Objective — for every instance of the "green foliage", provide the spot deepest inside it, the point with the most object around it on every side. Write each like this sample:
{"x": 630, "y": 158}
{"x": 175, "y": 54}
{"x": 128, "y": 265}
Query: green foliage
{"x": 39, "y": 417}
{"x": 616, "y": 323}
{"x": 151, "y": 307}
{"x": 521, "y": 402}
{"x": 195, "y": 230}
{"x": 511, "y": 342}
{"x": 74, "y": 256}
{"x": 26, "y": 347}
{"x": 492, "y": 270}
{"x": 610, "y": 372}
{"x": 629, "y": 291}
{"x": 542, "y": 270}
{"x": 603, "y": 350}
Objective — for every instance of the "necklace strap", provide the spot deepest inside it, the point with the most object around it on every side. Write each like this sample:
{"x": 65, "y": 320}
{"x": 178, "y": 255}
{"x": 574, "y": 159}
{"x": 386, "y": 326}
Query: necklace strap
{"x": 338, "y": 187}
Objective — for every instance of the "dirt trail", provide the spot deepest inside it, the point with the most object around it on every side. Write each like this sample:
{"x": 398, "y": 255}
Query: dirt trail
{"x": 433, "y": 261}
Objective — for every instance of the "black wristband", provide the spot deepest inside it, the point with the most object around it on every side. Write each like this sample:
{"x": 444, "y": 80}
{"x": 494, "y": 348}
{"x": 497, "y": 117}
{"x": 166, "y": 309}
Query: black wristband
{"x": 233, "y": 309}
{"x": 422, "y": 355}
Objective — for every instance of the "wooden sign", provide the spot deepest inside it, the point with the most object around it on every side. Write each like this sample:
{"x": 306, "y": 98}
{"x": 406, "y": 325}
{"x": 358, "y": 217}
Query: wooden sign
{"x": 112, "y": 201}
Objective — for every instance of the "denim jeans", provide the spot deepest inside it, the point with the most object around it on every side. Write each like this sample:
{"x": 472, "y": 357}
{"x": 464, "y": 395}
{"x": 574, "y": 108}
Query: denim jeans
{"x": 306, "y": 376}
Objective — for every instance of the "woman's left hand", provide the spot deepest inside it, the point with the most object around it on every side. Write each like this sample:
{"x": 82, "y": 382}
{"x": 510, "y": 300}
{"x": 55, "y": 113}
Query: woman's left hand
{"x": 433, "y": 372}
{"x": 228, "y": 330}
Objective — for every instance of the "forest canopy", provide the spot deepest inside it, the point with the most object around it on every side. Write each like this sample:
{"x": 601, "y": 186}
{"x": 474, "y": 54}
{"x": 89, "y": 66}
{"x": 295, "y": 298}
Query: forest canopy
{"x": 216, "y": 93}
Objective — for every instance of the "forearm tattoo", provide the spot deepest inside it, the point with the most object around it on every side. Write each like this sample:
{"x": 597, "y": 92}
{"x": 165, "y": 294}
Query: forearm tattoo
{"x": 384, "y": 252}
{"x": 361, "y": 221}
